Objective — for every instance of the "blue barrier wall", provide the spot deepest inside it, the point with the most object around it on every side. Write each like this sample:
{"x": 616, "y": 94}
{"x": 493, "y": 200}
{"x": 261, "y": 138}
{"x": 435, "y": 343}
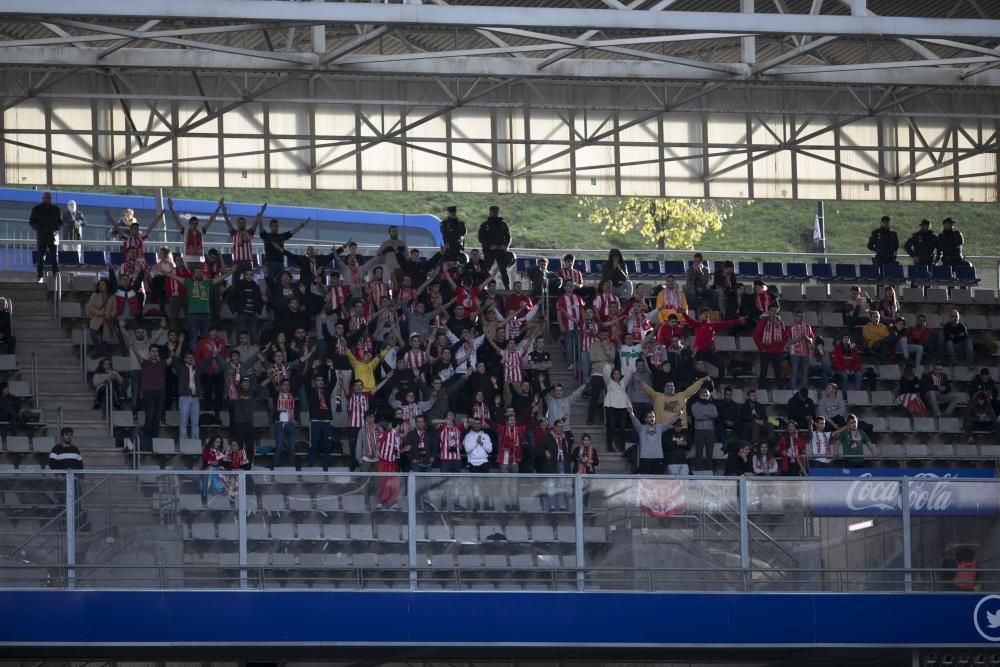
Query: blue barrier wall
{"x": 473, "y": 618}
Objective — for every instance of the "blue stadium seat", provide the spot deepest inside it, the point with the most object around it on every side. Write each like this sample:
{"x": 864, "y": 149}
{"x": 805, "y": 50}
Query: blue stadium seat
{"x": 524, "y": 263}
{"x": 748, "y": 270}
{"x": 845, "y": 272}
{"x": 966, "y": 275}
{"x": 580, "y": 265}
{"x": 150, "y": 258}
{"x": 942, "y": 275}
{"x": 773, "y": 271}
{"x": 95, "y": 258}
{"x": 596, "y": 266}
{"x": 869, "y": 273}
{"x": 892, "y": 273}
{"x": 649, "y": 267}
{"x": 717, "y": 265}
{"x": 227, "y": 260}
{"x": 69, "y": 258}
{"x": 796, "y": 271}
{"x": 554, "y": 264}
{"x": 673, "y": 268}
{"x": 631, "y": 267}
{"x": 117, "y": 258}
{"x": 918, "y": 273}
{"x": 822, "y": 271}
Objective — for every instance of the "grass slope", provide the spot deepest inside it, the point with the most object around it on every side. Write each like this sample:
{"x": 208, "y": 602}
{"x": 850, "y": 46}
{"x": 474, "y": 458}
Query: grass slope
{"x": 550, "y": 221}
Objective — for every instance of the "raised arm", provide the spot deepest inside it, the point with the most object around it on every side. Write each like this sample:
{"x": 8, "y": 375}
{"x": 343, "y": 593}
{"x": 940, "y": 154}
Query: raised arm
{"x": 258, "y": 218}
{"x": 155, "y": 222}
{"x": 173, "y": 214}
{"x": 299, "y": 229}
{"x": 215, "y": 214}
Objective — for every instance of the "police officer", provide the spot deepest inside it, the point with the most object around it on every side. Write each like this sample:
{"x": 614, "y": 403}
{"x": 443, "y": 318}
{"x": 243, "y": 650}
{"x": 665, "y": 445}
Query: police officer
{"x": 884, "y": 243}
{"x": 950, "y": 243}
{"x": 495, "y": 237}
{"x": 453, "y": 234}
{"x": 922, "y": 245}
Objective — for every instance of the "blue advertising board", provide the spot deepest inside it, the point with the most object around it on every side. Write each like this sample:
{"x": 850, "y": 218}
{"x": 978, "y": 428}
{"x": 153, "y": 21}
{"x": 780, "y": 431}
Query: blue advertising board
{"x": 289, "y": 618}
{"x": 876, "y": 492}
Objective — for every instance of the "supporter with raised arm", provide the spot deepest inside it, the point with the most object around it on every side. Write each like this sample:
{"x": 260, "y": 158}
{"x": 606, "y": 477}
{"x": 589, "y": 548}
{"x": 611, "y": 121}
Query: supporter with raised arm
{"x": 922, "y": 245}
{"x": 951, "y": 244}
{"x": 771, "y": 338}
{"x": 616, "y": 406}
{"x": 651, "y": 433}
{"x": 884, "y": 242}
{"x": 152, "y": 381}
{"x": 955, "y": 336}
{"x": 242, "y": 237}
{"x": 671, "y": 402}
{"x": 853, "y": 443}
{"x": 791, "y": 450}
{"x": 494, "y": 235}
{"x": 274, "y": 246}
{"x": 194, "y": 237}
{"x": 127, "y": 230}
{"x": 846, "y": 361}
{"x": 704, "y": 338}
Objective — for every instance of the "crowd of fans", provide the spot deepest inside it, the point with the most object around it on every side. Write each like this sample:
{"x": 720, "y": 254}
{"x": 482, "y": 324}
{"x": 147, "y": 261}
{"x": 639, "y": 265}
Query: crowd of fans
{"x": 407, "y": 362}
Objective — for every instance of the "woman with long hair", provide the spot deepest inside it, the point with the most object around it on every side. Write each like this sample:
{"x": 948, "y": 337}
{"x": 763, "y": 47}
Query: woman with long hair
{"x": 616, "y": 272}
{"x": 102, "y": 309}
{"x": 212, "y": 458}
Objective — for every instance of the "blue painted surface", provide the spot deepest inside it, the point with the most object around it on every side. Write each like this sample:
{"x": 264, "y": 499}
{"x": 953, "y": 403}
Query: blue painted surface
{"x": 533, "y": 619}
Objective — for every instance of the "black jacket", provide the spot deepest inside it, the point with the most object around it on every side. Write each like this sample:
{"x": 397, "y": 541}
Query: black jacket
{"x": 884, "y": 243}
{"x": 799, "y": 409}
{"x": 676, "y": 446}
{"x": 494, "y": 231}
{"x": 45, "y": 220}
{"x": 922, "y": 247}
{"x": 950, "y": 243}
{"x": 417, "y": 271}
{"x": 453, "y": 231}
{"x": 245, "y": 297}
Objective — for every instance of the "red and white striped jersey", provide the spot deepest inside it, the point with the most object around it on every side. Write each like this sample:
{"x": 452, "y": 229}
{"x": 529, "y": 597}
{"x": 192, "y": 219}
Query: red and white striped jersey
{"x": 513, "y": 365}
{"x": 337, "y": 296}
{"x": 510, "y": 445}
{"x": 242, "y": 244}
{"x": 363, "y": 345}
{"x": 410, "y": 411}
{"x": 481, "y": 411}
{"x": 450, "y": 438}
{"x": 415, "y": 359}
{"x": 378, "y": 291}
{"x": 570, "y": 310}
{"x": 604, "y": 305}
{"x": 279, "y": 372}
{"x": 129, "y": 242}
{"x": 356, "y": 322}
{"x": 571, "y": 275}
{"x": 357, "y": 406}
{"x": 590, "y": 332}
{"x": 514, "y": 325}
{"x": 467, "y": 298}
{"x": 388, "y": 446}
{"x": 193, "y": 242}
{"x": 404, "y": 295}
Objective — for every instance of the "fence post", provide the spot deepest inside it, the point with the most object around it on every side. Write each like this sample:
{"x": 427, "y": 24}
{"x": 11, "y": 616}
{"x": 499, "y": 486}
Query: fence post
{"x": 241, "y": 507}
{"x": 70, "y": 529}
{"x": 411, "y": 528}
{"x": 578, "y": 516}
{"x": 904, "y": 503}
{"x": 744, "y": 534}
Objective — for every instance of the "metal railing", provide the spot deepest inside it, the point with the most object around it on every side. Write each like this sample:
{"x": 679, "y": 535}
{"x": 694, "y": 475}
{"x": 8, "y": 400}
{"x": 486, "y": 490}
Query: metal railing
{"x": 133, "y": 528}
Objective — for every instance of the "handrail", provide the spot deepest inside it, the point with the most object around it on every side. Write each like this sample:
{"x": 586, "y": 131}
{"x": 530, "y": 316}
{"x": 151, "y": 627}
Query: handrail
{"x": 34, "y": 378}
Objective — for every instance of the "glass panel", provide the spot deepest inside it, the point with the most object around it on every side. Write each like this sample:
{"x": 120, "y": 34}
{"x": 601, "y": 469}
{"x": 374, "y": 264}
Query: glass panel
{"x": 504, "y": 532}
{"x": 32, "y": 529}
{"x": 316, "y": 530}
{"x": 661, "y": 534}
{"x": 822, "y": 535}
{"x": 955, "y": 524}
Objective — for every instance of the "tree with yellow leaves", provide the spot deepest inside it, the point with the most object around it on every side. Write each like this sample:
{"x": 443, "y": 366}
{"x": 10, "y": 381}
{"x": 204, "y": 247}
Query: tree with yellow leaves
{"x": 669, "y": 223}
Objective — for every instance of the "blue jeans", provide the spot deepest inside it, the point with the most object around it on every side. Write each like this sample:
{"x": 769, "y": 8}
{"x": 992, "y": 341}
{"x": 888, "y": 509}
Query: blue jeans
{"x": 320, "y": 433}
{"x": 273, "y": 269}
{"x": 844, "y": 376}
{"x": 247, "y": 322}
{"x": 284, "y": 439}
{"x": 190, "y": 408}
{"x": 585, "y": 365}
{"x": 135, "y": 380}
{"x": 905, "y": 347}
{"x": 557, "y": 489}
{"x": 570, "y": 345}
{"x": 197, "y": 326}
{"x": 952, "y": 348}
{"x": 800, "y": 371}
{"x": 824, "y": 370}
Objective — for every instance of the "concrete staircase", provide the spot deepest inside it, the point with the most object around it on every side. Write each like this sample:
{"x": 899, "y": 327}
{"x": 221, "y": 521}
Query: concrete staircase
{"x": 61, "y": 383}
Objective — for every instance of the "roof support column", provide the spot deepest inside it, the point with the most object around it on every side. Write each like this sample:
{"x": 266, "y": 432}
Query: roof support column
{"x": 749, "y": 44}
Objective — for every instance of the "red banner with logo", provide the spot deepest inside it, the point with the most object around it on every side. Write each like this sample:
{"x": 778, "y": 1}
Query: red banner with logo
{"x": 662, "y": 498}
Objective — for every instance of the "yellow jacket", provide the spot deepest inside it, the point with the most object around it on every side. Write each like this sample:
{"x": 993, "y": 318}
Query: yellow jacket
{"x": 872, "y": 333}
{"x": 365, "y": 371}
{"x": 666, "y": 406}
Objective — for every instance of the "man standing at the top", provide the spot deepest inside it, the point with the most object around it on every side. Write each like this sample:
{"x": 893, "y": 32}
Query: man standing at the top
{"x": 951, "y": 244}
{"x": 453, "y": 236}
{"x": 922, "y": 245}
{"x": 274, "y": 246}
{"x": 388, "y": 250}
{"x": 884, "y": 243}
{"x": 45, "y": 220}
{"x": 495, "y": 237}
{"x": 242, "y": 237}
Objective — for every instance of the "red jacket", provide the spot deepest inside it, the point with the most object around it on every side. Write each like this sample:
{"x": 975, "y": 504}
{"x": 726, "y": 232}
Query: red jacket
{"x": 666, "y": 333}
{"x": 704, "y": 332}
{"x": 785, "y": 448}
{"x": 204, "y": 350}
{"x": 778, "y": 339}
{"x": 848, "y": 363}
{"x": 919, "y": 335}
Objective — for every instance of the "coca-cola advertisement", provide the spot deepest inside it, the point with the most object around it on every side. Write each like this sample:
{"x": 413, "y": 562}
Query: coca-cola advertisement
{"x": 876, "y": 492}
